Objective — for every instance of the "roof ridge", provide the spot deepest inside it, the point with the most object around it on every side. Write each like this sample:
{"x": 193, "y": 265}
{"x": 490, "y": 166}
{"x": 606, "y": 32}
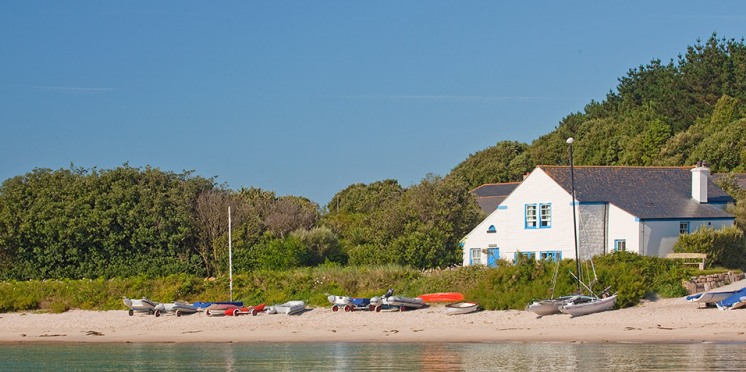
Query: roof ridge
{"x": 619, "y": 166}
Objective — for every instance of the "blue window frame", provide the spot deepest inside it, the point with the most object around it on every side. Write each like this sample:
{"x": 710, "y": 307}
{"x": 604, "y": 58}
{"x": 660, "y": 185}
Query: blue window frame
{"x": 545, "y": 215}
{"x": 620, "y": 245}
{"x": 530, "y": 216}
{"x": 528, "y": 255}
{"x": 538, "y": 216}
{"x": 551, "y": 255}
{"x": 491, "y": 229}
{"x": 683, "y": 228}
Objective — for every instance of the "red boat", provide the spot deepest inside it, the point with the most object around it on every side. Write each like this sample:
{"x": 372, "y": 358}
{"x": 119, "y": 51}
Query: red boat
{"x": 253, "y": 310}
{"x": 442, "y": 297}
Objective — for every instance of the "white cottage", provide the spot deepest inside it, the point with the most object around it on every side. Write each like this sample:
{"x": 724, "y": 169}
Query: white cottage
{"x": 637, "y": 209}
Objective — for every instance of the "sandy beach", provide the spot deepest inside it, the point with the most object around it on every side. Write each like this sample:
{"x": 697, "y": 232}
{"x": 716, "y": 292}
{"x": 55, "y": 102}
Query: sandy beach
{"x": 663, "y": 320}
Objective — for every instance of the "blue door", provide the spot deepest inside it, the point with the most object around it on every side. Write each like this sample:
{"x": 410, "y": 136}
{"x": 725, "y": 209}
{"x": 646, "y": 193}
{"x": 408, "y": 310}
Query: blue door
{"x": 493, "y": 254}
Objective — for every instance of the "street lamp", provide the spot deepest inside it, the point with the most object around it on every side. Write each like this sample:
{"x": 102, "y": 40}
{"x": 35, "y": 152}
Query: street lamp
{"x": 574, "y": 218}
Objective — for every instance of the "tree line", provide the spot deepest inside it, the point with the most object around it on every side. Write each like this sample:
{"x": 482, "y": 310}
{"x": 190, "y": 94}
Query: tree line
{"x": 91, "y": 223}
{"x": 665, "y": 114}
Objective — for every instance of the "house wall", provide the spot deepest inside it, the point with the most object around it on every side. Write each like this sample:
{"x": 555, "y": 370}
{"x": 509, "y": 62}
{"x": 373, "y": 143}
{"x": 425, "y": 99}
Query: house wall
{"x": 623, "y": 226}
{"x": 659, "y": 236}
{"x": 512, "y": 236}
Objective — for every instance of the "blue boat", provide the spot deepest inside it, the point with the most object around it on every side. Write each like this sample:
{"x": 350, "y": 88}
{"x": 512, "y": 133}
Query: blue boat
{"x": 203, "y": 305}
{"x": 734, "y": 301}
{"x": 710, "y": 297}
{"x": 348, "y": 303}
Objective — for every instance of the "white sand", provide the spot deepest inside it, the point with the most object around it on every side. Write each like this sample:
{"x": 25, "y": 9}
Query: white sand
{"x": 665, "y": 320}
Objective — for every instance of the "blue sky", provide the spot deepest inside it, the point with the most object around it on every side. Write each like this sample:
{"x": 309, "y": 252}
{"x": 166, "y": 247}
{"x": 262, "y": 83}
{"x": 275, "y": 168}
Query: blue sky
{"x": 307, "y": 97}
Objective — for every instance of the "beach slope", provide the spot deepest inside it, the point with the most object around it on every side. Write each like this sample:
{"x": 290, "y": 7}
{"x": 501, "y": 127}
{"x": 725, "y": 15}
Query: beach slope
{"x": 664, "y": 320}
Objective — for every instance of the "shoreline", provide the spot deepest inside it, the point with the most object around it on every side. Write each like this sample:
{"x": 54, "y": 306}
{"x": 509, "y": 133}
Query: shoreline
{"x": 661, "y": 321}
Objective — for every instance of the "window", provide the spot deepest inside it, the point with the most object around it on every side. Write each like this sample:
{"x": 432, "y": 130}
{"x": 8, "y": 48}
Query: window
{"x": 683, "y": 228}
{"x": 546, "y": 215}
{"x": 538, "y": 216}
{"x": 475, "y": 256}
{"x": 530, "y": 216}
{"x": 620, "y": 245}
{"x": 491, "y": 229}
{"x": 551, "y": 255}
{"x": 524, "y": 255}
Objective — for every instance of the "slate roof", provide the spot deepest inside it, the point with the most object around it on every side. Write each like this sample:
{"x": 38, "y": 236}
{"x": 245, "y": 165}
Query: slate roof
{"x": 644, "y": 192}
{"x": 490, "y": 195}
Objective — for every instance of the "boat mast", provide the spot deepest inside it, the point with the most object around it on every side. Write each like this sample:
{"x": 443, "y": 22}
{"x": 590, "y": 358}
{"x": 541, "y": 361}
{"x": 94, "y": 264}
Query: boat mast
{"x": 574, "y": 219}
{"x": 230, "y": 255}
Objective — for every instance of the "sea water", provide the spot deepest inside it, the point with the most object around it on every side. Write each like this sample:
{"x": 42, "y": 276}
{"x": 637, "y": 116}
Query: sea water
{"x": 372, "y": 357}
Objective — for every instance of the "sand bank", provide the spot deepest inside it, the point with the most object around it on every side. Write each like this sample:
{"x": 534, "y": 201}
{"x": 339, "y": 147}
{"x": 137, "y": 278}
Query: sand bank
{"x": 664, "y": 320}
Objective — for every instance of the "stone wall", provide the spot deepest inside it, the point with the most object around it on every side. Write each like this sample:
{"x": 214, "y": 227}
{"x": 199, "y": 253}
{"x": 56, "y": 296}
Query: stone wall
{"x": 591, "y": 230}
{"x": 705, "y": 283}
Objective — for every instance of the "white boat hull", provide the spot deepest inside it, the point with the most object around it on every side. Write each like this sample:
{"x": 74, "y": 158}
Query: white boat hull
{"x": 585, "y": 308}
{"x": 288, "y": 308}
{"x": 339, "y": 300}
{"x": 142, "y": 305}
{"x": 710, "y": 297}
{"x": 461, "y": 308}
{"x": 178, "y": 308}
{"x": 552, "y": 306}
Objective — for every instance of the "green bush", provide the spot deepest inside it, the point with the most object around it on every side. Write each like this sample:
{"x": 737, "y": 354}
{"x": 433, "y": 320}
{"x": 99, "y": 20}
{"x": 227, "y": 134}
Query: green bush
{"x": 725, "y": 246}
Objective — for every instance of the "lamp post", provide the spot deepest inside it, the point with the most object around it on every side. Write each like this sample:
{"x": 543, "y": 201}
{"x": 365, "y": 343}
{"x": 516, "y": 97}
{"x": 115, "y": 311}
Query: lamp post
{"x": 574, "y": 218}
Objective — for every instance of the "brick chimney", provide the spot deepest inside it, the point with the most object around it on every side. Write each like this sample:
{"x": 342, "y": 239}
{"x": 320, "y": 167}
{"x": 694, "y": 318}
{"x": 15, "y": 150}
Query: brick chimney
{"x": 700, "y": 174}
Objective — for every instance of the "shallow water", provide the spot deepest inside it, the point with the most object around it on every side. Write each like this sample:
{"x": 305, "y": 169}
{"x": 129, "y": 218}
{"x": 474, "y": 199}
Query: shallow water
{"x": 373, "y": 357}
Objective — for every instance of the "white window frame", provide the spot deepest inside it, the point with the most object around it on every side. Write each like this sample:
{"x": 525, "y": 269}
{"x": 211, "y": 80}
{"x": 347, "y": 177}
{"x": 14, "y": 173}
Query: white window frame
{"x": 545, "y": 215}
{"x": 475, "y": 256}
{"x": 683, "y": 228}
{"x": 530, "y": 216}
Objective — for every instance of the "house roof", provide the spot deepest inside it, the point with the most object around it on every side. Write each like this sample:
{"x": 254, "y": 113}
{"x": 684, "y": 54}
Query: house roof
{"x": 495, "y": 189}
{"x": 490, "y": 195}
{"x": 644, "y": 192}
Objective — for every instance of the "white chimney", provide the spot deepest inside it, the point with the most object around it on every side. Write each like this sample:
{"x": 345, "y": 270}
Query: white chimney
{"x": 700, "y": 174}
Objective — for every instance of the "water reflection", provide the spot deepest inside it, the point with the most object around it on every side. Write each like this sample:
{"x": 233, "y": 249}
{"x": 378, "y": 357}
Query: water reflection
{"x": 373, "y": 357}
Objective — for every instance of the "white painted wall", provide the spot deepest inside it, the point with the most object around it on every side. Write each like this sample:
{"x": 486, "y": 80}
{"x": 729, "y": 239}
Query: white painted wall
{"x": 509, "y": 221}
{"x": 660, "y": 236}
{"x": 623, "y": 226}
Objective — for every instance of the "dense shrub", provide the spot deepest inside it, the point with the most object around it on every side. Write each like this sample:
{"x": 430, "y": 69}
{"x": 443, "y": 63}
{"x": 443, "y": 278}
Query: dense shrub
{"x": 725, "y": 247}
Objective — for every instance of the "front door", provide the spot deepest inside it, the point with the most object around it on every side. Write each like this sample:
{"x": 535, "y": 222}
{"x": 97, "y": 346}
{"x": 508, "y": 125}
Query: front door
{"x": 493, "y": 254}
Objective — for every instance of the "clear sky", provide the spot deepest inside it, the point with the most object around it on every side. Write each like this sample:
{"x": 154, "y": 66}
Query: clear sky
{"x": 307, "y": 97}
